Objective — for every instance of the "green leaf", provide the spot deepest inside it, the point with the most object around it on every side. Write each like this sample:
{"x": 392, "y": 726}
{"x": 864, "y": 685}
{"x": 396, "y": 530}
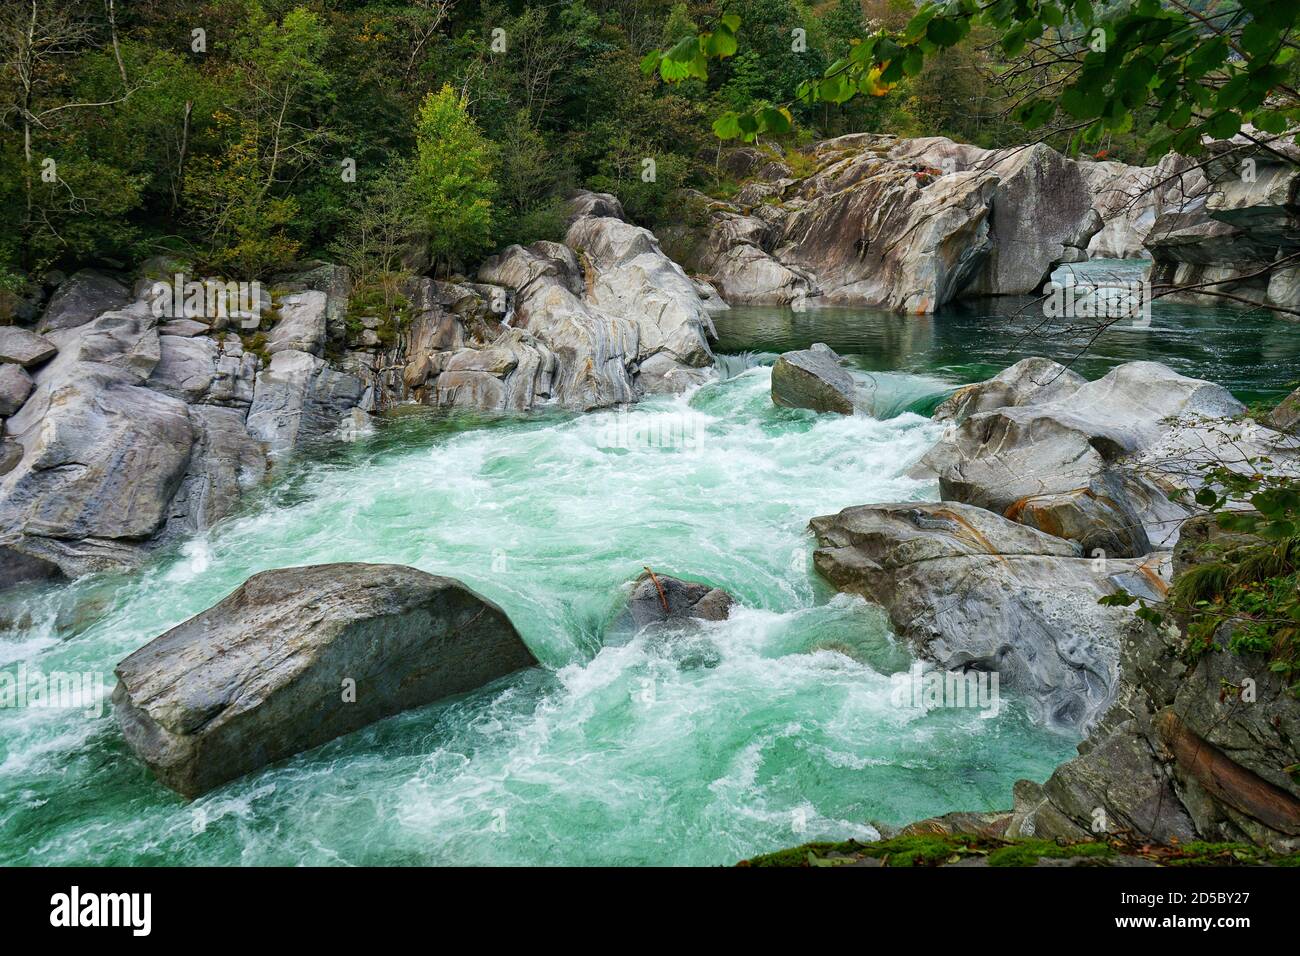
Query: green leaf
{"x": 720, "y": 44}
{"x": 913, "y": 61}
{"x": 650, "y": 62}
{"x": 1081, "y": 105}
{"x": 1224, "y": 125}
{"x": 1013, "y": 41}
{"x": 727, "y": 126}
{"x": 1270, "y": 121}
{"x": 1133, "y": 82}
{"x": 834, "y": 89}
{"x": 1231, "y": 93}
{"x": 1180, "y": 117}
{"x": 732, "y": 22}
{"x": 1257, "y": 38}
{"x": 1035, "y": 113}
{"x": 776, "y": 121}
{"x": 683, "y": 50}
{"x": 945, "y": 31}
{"x": 915, "y": 28}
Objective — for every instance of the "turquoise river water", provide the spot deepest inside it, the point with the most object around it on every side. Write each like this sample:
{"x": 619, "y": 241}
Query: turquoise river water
{"x": 769, "y": 729}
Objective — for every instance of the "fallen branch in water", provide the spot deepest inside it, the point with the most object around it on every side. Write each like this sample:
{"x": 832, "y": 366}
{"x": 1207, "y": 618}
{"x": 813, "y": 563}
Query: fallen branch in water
{"x": 663, "y": 598}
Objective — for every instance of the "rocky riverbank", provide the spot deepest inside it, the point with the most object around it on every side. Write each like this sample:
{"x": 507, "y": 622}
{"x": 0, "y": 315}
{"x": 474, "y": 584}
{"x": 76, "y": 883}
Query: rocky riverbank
{"x": 127, "y": 427}
{"x": 1057, "y": 492}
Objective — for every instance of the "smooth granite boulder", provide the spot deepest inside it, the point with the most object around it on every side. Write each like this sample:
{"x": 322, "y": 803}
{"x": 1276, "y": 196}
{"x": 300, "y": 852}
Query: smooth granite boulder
{"x": 302, "y": 326}
{"x": 1097, "y": 463}
{"x": 298, "y": 656}
{"x": 1031, "y": 381}
{"x": 15, "y": 386}
{"x": 813, "y": 378}
{"x": 971, "y": 589}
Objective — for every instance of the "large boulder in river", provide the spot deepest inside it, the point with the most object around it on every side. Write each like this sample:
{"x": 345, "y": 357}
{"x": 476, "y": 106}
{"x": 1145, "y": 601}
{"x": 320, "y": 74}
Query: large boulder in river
{"x": 298, "y": 656}
{"x": 300, "y": 397}
{"x": 608, "y": 316}
{"x": 101, "y": 461}
{"x": 1196, "y": 748}
{"x": 905, "y": 224}
{"x": 102, "y": 455}
{"x": 1131, "y": 198}
{"x": 1030, "y": 381}
{"x": 629, "y": 276}
{"x": 971, "y": 589}
{"x": 1040, "y": 210}
{"x": 1098, "y": 465}
{"x": 1221, "y": 232}
{"x": 813, "y": 378}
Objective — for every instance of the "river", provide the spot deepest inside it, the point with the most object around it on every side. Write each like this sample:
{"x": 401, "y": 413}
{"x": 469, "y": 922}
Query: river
{"x": 695, "y": 747}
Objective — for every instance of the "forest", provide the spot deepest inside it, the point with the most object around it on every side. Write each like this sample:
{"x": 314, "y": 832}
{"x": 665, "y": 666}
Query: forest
{"x": 243, "y": 135}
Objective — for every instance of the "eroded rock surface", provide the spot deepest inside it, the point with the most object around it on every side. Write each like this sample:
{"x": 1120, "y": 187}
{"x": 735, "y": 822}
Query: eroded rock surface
{"x": 970, "y": 589}
{"x": 1098, "y": 463}
{"x": 905, "y": 224}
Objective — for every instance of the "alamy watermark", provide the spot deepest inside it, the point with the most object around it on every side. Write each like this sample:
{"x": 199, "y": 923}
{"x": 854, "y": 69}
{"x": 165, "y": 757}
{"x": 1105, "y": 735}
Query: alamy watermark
{"x": 207, "y": 298}
{"x": 1112, "y": 300}
{"x": 641, "y": 429}
{"x": 56, "y": 690}
{"x": 918, "y": 688}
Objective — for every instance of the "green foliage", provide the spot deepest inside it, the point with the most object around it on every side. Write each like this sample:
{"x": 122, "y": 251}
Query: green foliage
{"x": 1202, "y": 75}
{"x": 452, "y": 179}
{"x": 378, "y": 298}
{"x": 379, "y": 230}
{"x": 246, "y": 226}
{"x": 233, "y": 156}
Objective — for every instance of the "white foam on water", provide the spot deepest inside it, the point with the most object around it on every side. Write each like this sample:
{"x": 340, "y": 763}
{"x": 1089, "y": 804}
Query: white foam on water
{"x": 693, "y": 745}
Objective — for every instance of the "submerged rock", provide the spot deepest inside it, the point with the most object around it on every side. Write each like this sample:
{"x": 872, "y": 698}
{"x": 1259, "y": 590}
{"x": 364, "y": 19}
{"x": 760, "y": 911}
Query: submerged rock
{"x": 658, "y": 598}
{"x": 298, "y": 656}
{"x": 972, "y": 589}
{"x": 813, "y": 378}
